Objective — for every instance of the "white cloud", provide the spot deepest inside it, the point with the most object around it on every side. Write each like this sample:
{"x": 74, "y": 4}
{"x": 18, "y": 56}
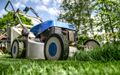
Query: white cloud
{"x": 2, "y": 12}
{"x": 60, "y": 1}
{"x": 35, "y": 1}
{"x": 45, "y": 2}
{"x": 54, "y": 11}
{"x": 41, "y": 8}
{"x": 19, "y": 5}
{"x": 24, "y": 1}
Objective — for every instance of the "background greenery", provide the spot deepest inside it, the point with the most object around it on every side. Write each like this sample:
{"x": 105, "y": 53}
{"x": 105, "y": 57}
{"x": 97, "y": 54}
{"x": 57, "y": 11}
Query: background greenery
{"x": 93, "y": 16}
{"x": 108, "y": 52}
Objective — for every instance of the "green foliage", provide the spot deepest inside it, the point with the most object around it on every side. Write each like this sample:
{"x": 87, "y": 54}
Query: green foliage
{"x": 110, "y": 51}
{"x": 89, "y": 15}
{"x": 78, "y": 12}
{"x": 9, "y": 18}
{"x": 109, "y": 19}
{"x": 98, "y": 37}
{"x": 81, "y": 41}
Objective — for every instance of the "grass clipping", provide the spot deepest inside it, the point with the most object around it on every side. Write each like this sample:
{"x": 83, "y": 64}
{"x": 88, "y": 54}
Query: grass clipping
{"x": 108, "y": 52}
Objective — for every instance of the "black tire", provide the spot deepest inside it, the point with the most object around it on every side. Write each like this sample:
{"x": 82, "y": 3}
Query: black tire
{"x": 56, "y": 47}
{"x": 23, "y": 52}
{"x": 91, "y": 44}
{"x": 15, "y": 49}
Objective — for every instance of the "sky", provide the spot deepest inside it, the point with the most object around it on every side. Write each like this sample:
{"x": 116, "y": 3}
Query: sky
{"x": 47, "y": 9}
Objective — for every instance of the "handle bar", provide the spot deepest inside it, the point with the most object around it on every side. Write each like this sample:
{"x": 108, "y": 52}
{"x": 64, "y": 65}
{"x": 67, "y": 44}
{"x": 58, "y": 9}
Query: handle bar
{"x": 33, "y": 11}
{"x": 9, "y": 2}
{"x": 15, "y": 12}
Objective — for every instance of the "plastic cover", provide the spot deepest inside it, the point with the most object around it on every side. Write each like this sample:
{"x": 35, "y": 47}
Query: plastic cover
{"x": 38, "y": 29}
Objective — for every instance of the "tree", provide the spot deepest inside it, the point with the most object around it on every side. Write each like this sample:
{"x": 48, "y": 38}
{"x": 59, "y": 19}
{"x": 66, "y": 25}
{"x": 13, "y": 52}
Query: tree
{"x": 106, "y": 16}
{"x": 79, "y": 13}
{"x": 108, "y": 11}
{"x": 9, "y": 18}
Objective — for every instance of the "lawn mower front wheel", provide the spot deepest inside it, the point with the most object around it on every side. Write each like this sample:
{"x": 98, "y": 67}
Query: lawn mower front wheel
{"x": 15, "y": 49}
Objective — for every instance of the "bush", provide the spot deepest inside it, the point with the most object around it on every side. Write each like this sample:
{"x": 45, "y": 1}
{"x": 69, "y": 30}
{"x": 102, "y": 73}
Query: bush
{"x": 109, "y": 51}
{"x": 81, "y": 40}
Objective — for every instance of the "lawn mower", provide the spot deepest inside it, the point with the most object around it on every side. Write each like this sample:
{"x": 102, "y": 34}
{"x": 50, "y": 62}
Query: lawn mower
{"x": 51, "y": 40}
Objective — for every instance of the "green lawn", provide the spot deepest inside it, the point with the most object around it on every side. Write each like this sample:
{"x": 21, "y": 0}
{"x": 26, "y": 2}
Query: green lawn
{"x": 10, "y": 66}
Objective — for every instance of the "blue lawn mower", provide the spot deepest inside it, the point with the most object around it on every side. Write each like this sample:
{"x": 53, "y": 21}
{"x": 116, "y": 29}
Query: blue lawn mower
{"x": 51, "y": 40}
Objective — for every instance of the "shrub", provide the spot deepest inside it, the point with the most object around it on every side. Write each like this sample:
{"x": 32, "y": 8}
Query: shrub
{"x": 81, "y": 40}
{"x": 109, "y": 51}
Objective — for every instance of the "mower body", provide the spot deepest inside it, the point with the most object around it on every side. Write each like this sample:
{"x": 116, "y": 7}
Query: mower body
{"x": 38, "y": 29}
{"x": 44, "y": 30}
{"x": 38, "y": 36}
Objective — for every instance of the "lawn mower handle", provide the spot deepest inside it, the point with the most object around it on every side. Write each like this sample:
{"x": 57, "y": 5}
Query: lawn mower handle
{"x": 30, "y": 8}
{"x": 9, "y": 2}
{"x": 15, "y": 12}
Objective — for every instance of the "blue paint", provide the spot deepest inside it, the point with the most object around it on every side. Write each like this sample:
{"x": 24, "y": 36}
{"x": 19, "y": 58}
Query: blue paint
{"x": 14, "y": 49}
{"x": 52, "y": 49}
{"x": 38, "y": 29}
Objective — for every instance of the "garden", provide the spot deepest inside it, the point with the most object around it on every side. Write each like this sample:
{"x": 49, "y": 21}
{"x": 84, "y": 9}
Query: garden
{"x": 94, "y": 19}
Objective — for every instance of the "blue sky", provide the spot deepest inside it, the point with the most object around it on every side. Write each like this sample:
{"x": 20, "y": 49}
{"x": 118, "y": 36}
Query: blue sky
{"x": 47, "y": 9}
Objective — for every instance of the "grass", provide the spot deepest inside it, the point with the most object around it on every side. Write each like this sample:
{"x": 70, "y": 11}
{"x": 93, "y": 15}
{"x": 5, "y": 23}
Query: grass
{"x": 10, "y": 66}
{"x": 107, "y": 52}
{"x": 101, "y": 61}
